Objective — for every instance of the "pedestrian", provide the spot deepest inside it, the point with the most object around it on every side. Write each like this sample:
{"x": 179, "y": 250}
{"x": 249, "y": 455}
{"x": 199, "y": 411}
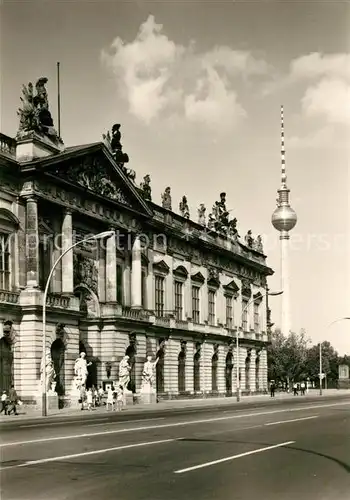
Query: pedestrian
{"x": 4, "y": 402}
{"x": 110, "y": 398}
{"x": 13, "y": 398}
{"x": 302, "y": 387}
{"x": 272, "y": 388}
{"x": 101, "y": 393}
{"x": 89, "y": 399}
{"x": 295, "y": 389}
{"x": 120, "y": 398}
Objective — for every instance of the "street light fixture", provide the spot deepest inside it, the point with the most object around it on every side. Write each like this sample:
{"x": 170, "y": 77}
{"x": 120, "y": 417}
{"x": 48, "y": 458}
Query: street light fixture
{"x": 320, "y": 348}
{"x": 238, "y": 382}
{"x": 105, "y": 234}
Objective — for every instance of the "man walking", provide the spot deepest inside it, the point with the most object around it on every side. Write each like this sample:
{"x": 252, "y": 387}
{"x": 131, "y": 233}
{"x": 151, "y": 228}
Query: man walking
{"x": 272, "y": 388}
{"x": 13, "y": 398}
{"x": 4, "y": 402}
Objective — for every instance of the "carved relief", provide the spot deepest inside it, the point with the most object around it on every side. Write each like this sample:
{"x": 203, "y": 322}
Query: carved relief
{"x": 85, "y": 272}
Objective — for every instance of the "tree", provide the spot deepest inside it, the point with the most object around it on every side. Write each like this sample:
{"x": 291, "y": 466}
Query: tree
{"x": 287, "y": 356}
{"x": 330, "y": 362}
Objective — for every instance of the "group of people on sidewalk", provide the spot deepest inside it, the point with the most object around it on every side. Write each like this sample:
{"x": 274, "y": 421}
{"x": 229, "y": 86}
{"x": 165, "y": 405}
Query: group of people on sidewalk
{"x": 9, "y": 402}
{"x": 297, "y": 387}
{"x": 92, "y": 398}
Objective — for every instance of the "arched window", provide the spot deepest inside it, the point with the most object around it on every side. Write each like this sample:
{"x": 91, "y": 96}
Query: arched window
{"x": 58, "y": 355}
{"x": 247, "y": 372}
{"x": 197, "y": 372}
{"x": 228, "y": 373}
{"x": 214, "y": 373}
{"x": 160, "y": 371}
{"x": 181, "y": 372}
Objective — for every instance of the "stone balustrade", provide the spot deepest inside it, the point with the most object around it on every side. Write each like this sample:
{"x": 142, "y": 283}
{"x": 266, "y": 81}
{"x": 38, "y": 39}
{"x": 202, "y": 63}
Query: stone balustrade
{"x": 9, "y": 297}
{"x": 7, "y": 145}
{"x": 57, "y": 300}
{"x": 160, "y": 321}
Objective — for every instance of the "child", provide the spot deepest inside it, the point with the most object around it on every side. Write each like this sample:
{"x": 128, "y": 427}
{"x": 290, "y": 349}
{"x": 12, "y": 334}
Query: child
{"x": 89, "y": 399}
{"x": 120, "y": 398}
{"x": 110, "y": 399}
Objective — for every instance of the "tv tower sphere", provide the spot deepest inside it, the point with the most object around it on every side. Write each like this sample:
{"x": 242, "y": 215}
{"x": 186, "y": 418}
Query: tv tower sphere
{"x": 284, "y": 218}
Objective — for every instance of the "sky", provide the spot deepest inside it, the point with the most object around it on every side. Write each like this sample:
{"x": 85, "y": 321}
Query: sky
{"x": 197, "y": 87}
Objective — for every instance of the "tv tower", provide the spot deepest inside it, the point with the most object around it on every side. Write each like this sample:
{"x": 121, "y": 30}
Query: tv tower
{"x": 284, "y": 220}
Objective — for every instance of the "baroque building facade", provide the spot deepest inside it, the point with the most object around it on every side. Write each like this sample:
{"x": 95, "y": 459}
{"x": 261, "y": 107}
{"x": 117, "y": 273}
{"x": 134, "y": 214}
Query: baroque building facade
{"x": 163, "y": 284}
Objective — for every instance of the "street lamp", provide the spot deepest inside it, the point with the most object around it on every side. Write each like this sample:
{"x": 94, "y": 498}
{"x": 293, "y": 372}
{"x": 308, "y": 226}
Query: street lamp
{"x": 105, "y": 234}
{"x": 320, "y": 347}
{"x": 272, "y": 294}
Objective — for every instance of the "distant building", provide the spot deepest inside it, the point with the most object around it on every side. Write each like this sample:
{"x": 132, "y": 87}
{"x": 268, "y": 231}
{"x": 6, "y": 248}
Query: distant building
{"x": 165, "y": 285}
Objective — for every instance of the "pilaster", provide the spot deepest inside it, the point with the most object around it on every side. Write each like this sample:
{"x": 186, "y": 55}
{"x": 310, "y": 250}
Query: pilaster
{"x": 67, "y": 259}
{"x": 136, "y": 277}
{"x": 111, "y": 269}
{"x": 189, "y": 367}
{"x": 32, "y": 241}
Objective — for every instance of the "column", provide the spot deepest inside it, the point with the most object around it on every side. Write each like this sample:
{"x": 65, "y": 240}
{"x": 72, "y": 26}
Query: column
{"x": 263, "y": 370}
{"x": 67, "y": 259}
{"x": 111, "y": 269}
{"x": 252, "y": 373}
{"x": 136, "y": 270}
{"x": 32, "y": 242}
{"x": 189, "y": 367}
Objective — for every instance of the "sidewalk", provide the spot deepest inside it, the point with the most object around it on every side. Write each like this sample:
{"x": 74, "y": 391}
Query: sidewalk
{"x": 29, "y": 412}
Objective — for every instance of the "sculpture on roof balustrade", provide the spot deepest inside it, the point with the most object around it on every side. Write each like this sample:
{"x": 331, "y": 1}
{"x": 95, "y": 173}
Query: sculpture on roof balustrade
{"x": 219, "y": 219}
{"x": 166, "y": 199}
{"x": 248, "y": 239}
{"x": 112, "y": 141}
{"x": 258, "y": 244}
{"x": 34, "y": 115}
{"x": 183, "y": 207}
{"x": 145, "y": 187}
{"x": 201, "y": 214}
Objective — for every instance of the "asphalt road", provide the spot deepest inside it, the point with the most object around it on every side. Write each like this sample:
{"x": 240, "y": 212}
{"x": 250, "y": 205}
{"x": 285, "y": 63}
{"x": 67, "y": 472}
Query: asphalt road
{"x": 287, "y": 451}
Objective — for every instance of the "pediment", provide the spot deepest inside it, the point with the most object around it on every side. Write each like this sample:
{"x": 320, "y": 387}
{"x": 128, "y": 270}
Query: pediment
{"x": 246, "y": 288}
{"x": 198, "y": 278}
{"x": 257, "y": 297}
{"x": 180, "y": 272}
{"x": 231, "y": 287}
{"x": 96, "y": 171}
{"x": 7, "y": 217}
{"x": 161, "y": 267}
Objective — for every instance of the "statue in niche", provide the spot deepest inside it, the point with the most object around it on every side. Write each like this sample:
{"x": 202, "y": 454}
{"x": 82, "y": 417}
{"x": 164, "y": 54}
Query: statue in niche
{"x": 81, "y": 371}
{"x": 183, "y": 207}
{"x": 201, "y": 214}
{"x": 124, "y": 372}
{"x": 248, "y": 239}
{"x": 34, "y": 115}
{"x": 148, "y": 378}
{"x": 146, "y": 188}
{"x": 50, "y": 371}
{"x": 166, "y": 199}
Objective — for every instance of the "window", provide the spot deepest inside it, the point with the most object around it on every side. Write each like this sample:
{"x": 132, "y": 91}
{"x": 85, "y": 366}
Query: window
{"x": 178, "y": 300}
{"x": 44, "y": 263}
{"x": 4, "y": 262}
{"x": 244, "y": 315}
{"x": 211, "y": 307}
{"x": 144, "y": 288}
{"x": 256, "y": 317}
{"x": 159, "y": 289}
{"x": 195, "y": 304}
{"x": 119, "y": 283}
{"x": 229, "y": 312}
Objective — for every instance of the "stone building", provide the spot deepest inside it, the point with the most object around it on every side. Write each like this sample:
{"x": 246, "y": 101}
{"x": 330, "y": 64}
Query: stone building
{"x": 165, "y": 284}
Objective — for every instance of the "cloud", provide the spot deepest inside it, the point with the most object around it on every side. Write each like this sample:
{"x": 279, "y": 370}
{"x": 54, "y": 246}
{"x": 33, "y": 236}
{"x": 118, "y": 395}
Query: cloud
{"x": 317, "y": 65}
{"x": 329, "y": 98}
{"x": 155, "y": 75}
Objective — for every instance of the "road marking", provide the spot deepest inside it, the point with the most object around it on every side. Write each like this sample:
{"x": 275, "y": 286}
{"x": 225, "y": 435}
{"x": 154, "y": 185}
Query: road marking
{"x": 163, "y": 426}
{"x": 128, "y": 421}
{"x": 62, "y": 423}
{"x": 87, "y": 453}
{"x": 233, "y": 457}
{"x": 294, "y": 420}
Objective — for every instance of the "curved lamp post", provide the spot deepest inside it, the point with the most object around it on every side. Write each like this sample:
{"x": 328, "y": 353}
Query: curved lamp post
{"x": 238, "y": 382}
{"x": 320, "y": 347}
{"x": 105, "y": 234}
